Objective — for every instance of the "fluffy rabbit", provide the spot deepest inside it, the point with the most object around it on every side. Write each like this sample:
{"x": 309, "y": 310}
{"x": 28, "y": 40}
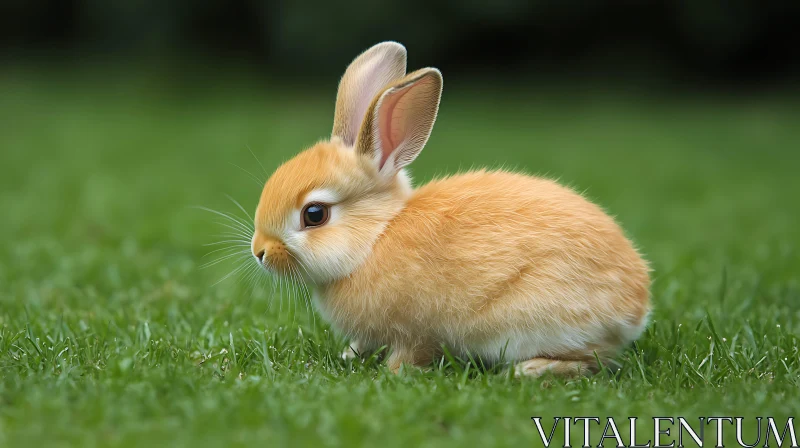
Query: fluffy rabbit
{"x": 487, "y": 263}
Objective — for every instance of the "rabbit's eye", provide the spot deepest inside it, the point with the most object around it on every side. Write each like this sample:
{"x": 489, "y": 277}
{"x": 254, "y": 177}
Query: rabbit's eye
{"x": 315, "y": 214}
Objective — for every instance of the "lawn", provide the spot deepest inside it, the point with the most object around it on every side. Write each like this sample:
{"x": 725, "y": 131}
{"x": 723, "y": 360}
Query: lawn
{"x": 113, "y": 334}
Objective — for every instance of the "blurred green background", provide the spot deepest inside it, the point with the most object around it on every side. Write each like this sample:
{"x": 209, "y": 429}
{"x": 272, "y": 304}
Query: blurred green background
{"x": 116, "y": 118}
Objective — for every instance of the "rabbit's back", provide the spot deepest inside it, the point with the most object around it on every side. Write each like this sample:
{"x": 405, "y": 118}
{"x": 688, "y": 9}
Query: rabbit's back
{"x": 484, "y": 261}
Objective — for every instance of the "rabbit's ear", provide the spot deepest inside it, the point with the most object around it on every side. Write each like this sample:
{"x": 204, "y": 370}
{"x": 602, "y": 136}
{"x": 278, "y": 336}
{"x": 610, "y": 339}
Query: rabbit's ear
{"x": 400, "y": 120}
{"x": 364, "y": 78}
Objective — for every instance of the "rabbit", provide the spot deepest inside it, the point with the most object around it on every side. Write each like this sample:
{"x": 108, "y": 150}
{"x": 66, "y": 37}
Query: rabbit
{"x": 488, "y": 263}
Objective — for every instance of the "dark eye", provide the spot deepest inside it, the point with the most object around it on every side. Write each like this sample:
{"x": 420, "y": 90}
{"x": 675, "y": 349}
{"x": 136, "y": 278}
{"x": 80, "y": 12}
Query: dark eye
{"x": 315, "y": 214}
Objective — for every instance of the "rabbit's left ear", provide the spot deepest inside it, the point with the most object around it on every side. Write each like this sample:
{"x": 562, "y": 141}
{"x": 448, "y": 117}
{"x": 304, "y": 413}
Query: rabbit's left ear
{"x": 400, "y": 119}
{"x": 365, "y": 77}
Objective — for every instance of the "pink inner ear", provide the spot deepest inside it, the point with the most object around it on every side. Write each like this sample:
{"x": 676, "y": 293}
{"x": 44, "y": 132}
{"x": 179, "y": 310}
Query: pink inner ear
{"x": 391, "y": 124}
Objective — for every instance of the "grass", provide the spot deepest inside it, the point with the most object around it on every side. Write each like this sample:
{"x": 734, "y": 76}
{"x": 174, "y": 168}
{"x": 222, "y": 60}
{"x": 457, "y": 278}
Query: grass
{"x": 111, "y": 334}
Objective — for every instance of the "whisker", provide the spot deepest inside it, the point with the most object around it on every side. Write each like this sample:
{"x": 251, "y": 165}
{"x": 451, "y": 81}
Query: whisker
{"x": 250, "y": 279}
{"x": 258, "y": 181}
{"x": 241, "y": 255}
{"x": 285, "y": 294}
{"x": 228, "y": 228}
{"x": 267, "y": 280}
{"x": 261, "y": 276}
{"x": 281, "y": 287}
{"x": 240, "y": 238}
{"x": 229, "y": 275}
{"x": 257, "y": 161}
{"x": 297, "y": 292}
{"x": 247, "y": 215}
{"x": 217, "y": 243}
{"x": 290, "y": 295}
{"x": 244, "y": 279}
{"x": 237, "y": 230}
{"x": 236, "y": 247}
{"x": 275, "y": 290}
{"x": 311, "y": 310}
{"x": 300, "y": 263}
{"x": 243, "y": 225}
{"x": 306, "y": 295}
{"x": 288, "y": 287}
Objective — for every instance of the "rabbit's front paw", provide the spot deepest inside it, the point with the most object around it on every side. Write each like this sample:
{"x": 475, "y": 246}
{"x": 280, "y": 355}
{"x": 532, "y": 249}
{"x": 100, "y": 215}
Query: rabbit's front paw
{"x": 351, "y": 351}
{"x": 541, "y": 366}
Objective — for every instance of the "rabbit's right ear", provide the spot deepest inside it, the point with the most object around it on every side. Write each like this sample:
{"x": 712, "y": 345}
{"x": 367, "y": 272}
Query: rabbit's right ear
{"x": 400, "y": 120}
{"x": 364, "y": 78}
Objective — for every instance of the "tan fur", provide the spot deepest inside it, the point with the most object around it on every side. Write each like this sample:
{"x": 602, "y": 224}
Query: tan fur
{"x": 542, "y": 366}
{"x": 365, "y": 77}
{"x": 479, "y": 262}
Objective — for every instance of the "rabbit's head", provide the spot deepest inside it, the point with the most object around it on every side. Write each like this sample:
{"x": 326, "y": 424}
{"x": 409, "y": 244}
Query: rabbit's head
{"x": 321, "y": 212}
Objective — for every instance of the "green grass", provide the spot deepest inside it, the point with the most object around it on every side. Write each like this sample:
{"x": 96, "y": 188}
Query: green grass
{"x": 111, "y": 335}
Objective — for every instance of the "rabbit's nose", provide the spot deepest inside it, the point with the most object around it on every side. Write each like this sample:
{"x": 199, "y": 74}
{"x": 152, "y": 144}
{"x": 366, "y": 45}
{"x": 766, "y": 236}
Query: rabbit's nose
{"x": 269, "y": 251}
